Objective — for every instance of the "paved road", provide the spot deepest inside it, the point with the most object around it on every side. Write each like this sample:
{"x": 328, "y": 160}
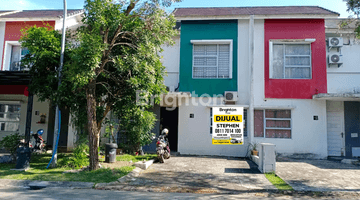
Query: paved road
{"x": 319, "y": 175}
{"x": 89, "y": 194}
{"x": 198, "y": 175}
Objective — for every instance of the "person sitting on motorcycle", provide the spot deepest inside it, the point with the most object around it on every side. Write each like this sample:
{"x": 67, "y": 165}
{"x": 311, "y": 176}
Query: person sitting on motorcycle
{"x": 165, "y": 132}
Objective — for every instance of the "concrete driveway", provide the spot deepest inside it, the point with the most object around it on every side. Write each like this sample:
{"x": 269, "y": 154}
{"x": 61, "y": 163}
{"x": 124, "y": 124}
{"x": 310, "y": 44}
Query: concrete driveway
{"x": 319, "y": 175}
{"x": 198, "y": 175}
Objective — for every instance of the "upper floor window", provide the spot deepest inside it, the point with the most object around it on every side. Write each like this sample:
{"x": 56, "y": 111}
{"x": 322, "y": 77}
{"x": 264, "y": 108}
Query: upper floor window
{"x": 212, "y": 59}
{"x": 290, "y": 60}
{"x": 13, "y": 55}
{"x": 17, "y": 54}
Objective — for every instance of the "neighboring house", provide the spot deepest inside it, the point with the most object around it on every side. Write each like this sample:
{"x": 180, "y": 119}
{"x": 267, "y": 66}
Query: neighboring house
{"x": 343, "y": 89}
{"x": 273, "y": 60}
{"x": 14, "y": 79}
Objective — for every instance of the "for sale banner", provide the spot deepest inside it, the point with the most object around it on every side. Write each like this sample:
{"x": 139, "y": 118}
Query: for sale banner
{"x": 227, "y": 126}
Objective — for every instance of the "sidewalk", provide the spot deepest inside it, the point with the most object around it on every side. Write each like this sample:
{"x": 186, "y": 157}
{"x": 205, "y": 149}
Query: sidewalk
{"x": 212, "y": 175}
{"x": 319, "y": 175}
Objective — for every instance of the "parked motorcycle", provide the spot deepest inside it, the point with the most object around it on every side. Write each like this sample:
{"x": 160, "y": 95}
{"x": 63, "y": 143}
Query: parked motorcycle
{"x": 39, "y": 145}
{"x": 162, "y": 146}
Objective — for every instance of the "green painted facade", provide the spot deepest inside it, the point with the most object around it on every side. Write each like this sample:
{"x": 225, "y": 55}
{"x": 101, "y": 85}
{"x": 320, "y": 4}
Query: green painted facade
{"x": 206, "y": 30}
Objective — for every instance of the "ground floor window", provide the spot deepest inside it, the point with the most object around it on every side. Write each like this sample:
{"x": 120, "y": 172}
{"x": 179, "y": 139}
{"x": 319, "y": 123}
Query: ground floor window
{"x": 244, "y": 120}
{"x": 271, "y": 123}
{"x": 9, "y": 117}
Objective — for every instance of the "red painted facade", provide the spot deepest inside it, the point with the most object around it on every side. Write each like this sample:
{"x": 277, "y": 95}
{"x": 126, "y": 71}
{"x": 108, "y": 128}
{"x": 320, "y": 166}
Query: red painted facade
{"x": 14, "y": 89}
{"x": 13, "y": 33}
{"x": 297, "y": 29}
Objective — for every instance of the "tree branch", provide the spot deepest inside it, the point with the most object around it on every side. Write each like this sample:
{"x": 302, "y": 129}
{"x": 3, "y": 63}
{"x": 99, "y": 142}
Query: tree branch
{"x": 107, "y": 110}
{"x": 131, "y": 7}
{"x": 125, "y": 43}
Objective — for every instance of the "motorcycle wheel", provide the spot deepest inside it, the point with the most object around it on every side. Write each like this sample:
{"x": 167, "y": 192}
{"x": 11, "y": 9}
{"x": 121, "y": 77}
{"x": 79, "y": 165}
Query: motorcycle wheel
{"x": 161, "y": 159}
{"x": 167, "y": 155}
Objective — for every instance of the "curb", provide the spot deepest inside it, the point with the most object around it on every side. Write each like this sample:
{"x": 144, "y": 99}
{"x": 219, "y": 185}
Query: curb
{"x": 144, "y": 164}
{"x": 49, "y": 184}
{"x": 133, "y": 174}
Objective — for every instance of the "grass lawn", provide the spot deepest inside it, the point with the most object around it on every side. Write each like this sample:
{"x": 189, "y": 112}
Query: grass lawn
{"x": 278, "y": 182}
{"x": 38, "y": 170}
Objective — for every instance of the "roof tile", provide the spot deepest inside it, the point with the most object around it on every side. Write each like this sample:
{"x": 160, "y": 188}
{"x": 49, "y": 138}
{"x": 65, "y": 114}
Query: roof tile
{"x": 40, "y": 13}
{"x": 275, "y": 10}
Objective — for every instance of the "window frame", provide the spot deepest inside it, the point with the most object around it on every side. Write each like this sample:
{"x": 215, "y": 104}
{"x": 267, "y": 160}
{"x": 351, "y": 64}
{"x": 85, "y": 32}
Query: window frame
{"x": 4, "y": 119}
{"x": 289, "y": 42}
{"x": 275, "y": 128}
{"x": 214, "y": 42}
{"x": 8, "y": 54}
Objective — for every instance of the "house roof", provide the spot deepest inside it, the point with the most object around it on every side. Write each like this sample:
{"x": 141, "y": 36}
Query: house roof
{"x": 39, "y": 13}
{"x": 233, "y": 11}
{"x": 5, "y": 11}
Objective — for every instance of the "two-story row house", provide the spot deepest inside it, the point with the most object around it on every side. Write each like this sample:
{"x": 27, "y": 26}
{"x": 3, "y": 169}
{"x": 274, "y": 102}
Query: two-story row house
{"x": 292, "y": 69}
{"x": 14, "y": 79}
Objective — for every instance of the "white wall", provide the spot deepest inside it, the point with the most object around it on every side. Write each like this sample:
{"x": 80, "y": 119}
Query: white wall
{"x": 194, "y": 133}
{"x": 2, "y": 37}
{"x": 42, "y": 107}
{"x": 72, "y": 23}
{"x": 259, "y": 63}
{"x": 243, "y": 62}
{"x": 346, "y": 78}
{"x": 307, "y": 135}
{"x": 171, "y": 60}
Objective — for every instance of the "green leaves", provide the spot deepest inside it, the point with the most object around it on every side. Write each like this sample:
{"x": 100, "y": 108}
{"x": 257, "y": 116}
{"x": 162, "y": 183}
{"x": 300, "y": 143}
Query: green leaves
{"x": 353, "y": 6}
{"x": 118, "y": 50}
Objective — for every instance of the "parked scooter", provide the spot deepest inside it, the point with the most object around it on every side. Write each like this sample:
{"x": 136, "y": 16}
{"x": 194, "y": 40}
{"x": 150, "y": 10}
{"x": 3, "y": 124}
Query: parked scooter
{"x": 39, "y": 146}
{"x": 162, "y": 146}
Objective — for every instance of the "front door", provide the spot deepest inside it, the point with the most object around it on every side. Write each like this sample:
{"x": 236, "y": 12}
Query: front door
{"x": 352, "y": 127}
{"x": 169, "y": 120}
{"x": 335, "y": 123}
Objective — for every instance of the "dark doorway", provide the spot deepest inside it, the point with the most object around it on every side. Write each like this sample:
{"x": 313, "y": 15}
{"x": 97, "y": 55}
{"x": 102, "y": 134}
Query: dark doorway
{"x": 169, "y": 119}
{"x": 352, "y": 127}
{"x": 64, "y": 126}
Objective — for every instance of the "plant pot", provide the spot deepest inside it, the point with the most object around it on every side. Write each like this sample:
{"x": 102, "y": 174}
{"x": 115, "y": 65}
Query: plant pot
{"x": 254, "y": 152}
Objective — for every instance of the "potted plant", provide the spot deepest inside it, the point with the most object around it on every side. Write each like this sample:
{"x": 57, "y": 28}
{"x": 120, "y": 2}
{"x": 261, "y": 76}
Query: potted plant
{"x": 253, "y": 147}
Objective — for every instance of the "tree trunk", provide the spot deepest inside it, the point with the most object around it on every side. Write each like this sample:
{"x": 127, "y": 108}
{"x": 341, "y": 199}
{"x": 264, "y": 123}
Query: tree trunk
{"x": 92, "y": 126}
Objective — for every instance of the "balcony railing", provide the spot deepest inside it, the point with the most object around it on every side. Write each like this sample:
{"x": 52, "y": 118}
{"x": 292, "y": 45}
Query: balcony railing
{"x": 16, "y": 66}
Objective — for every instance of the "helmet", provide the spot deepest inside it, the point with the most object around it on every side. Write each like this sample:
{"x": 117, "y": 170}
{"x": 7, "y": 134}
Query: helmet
{"x": 165, "y": 131}
{"x": 40, "y": 131}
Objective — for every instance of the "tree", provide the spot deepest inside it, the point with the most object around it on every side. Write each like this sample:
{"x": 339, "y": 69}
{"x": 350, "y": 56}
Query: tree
{"x": 114, "y": 54}
{"x": 354, "y": 7}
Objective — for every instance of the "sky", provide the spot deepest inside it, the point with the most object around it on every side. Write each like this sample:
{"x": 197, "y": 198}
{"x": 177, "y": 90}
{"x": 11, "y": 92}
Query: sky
{"x": 333, "y": 5}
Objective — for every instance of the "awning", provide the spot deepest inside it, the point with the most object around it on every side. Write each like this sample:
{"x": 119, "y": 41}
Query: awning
{"x": 171, "y": 99}
{"x": 14, "y": 78}
{"x": 337, "y": 96}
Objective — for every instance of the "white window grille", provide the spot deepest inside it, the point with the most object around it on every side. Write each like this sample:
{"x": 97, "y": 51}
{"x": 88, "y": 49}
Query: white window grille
{"x": 212, "y": 59}
{"x": 290, "y": 61}
{"x": 272, "y": 123}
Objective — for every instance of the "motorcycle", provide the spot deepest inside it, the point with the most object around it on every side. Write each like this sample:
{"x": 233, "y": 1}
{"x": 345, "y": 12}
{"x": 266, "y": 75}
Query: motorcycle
{"x": 162, "y": 147}
{"x": 39, "y": 145}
